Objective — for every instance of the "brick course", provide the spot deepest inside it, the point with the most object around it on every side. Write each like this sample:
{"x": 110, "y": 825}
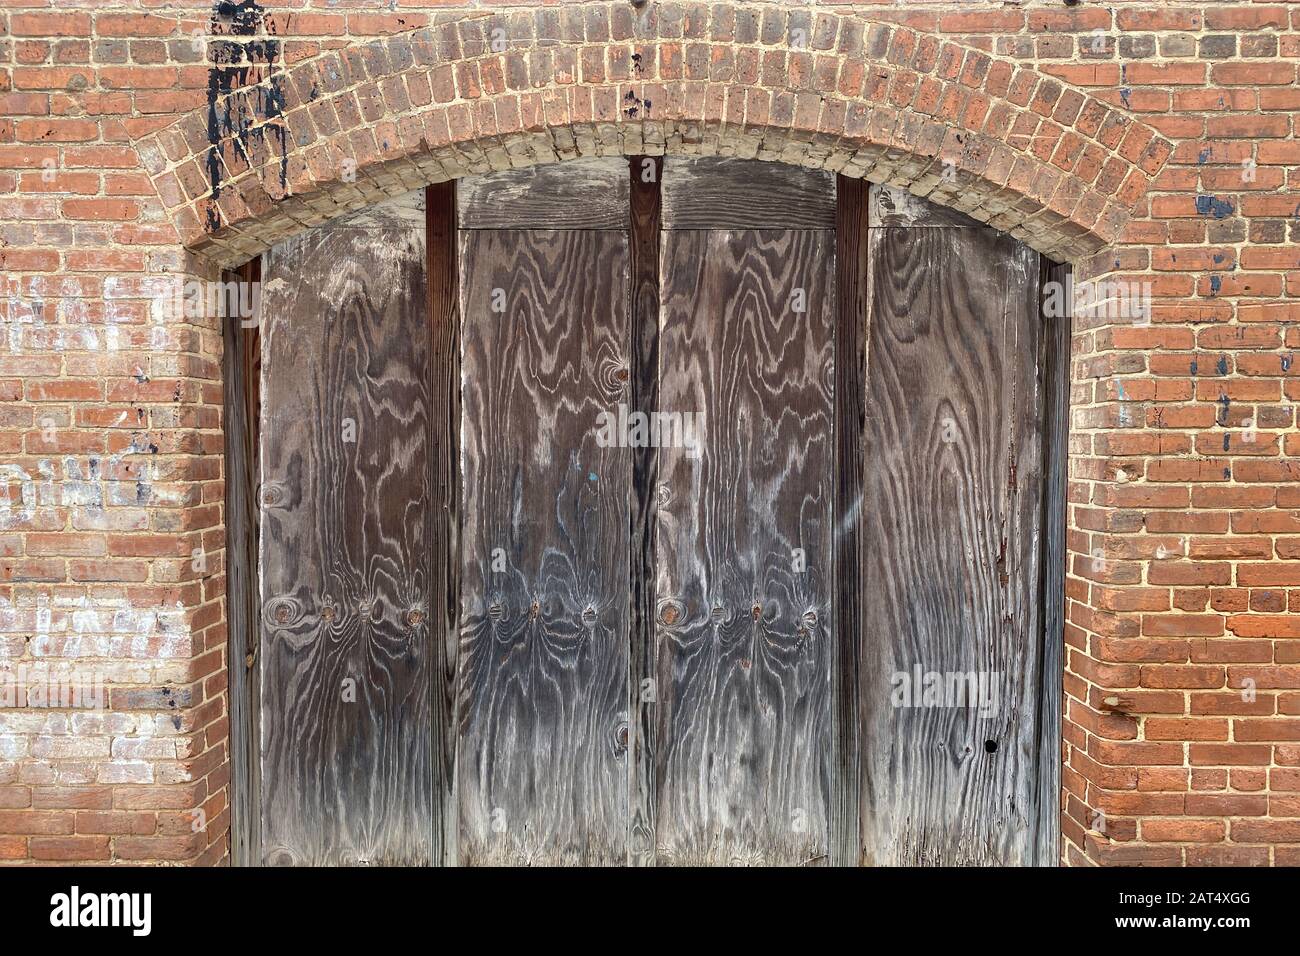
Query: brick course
{"x": 1151, "y": 142}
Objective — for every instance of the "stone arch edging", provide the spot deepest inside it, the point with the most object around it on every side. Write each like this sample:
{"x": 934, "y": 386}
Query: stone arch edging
{"x": 1047, "y": 163}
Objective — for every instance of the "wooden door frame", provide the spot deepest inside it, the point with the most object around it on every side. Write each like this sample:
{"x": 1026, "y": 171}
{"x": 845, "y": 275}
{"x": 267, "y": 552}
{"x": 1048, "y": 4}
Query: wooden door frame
{"x": 1055, "y": 365}
{"x": 241, "y": 366}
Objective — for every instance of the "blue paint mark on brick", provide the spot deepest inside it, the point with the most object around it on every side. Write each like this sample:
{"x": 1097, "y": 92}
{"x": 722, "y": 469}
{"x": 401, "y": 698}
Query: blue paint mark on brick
{"x": 1204, "y": 156}
{"x": 1216, "y": 283}
{"x": 1222, "y": 365}
{"x": 1214, "y": 206}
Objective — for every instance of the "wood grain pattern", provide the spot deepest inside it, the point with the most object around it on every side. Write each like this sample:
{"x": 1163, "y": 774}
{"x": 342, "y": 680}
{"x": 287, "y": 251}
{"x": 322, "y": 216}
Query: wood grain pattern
{"x": 444, "y": 504}
{"x": 853, "y": 285}
{"x": 951, "y": 519}
{"x": 346, "y": 545}
{"x": 241, "y": 371}
{"x": 580, "y": 194}
{"x": 714, "y": 192}
{"x": 744, "y": 653}
{"x": 542, "y": 768}
{"x": 892, "y": 206}
{"x": 646, "y": 175}
{"x": 1056, "y": 433}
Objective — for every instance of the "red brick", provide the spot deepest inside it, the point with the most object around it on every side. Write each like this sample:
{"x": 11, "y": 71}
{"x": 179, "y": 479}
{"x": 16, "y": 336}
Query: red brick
{"x": 1169, "y": 638}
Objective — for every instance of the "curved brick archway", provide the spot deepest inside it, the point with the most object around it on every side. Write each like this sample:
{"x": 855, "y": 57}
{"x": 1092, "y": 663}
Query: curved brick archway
{"x": 1049, "y": 164}
{"x": 142, "y": 144}
{"x": 285, "y": 150}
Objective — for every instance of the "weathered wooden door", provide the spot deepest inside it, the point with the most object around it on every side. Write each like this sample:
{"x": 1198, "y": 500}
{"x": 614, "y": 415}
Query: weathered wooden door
{"x": 742, "y": 678}
{"x": 953, "y": 704}
{"x": 654, "y": 512}
{"x": 543, "y": 656}
{"x": 346, "y": 650}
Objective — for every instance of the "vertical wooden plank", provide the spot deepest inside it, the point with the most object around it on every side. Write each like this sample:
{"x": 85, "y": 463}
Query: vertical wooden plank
{"x": 1056, "y": 399}
{"x": 852, "y": 332}
{"x": 346, "y": 559}
{"x": 952, "y": 502}
{"x": 241, "y": 370}
{"x": 646, "y": 177}
{"x": 541, "y": 768}
{"x": 444, "y": 505}
{"x": 743, "y": 541}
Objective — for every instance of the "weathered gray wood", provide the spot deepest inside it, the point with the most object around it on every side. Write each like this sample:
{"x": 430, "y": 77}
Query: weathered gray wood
{"x": 346, "y": 559}
{"x": 580, "y": 194}
{"x": 241, "y": 370}
{"x": 647, "y": 174}
{"x": 1056, "y": 428}
{"x": 851, "y": 336}
{"x": 444, "y": 507}
{"x": 542, "y": 768}
{"x": 725, "y": 193}
{"x": 950, "y": 516}
{"x": 743, "y": 677}
{"x": 892, "y": 206}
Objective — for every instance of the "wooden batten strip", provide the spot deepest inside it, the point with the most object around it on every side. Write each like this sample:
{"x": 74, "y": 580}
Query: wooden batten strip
{"x": 717, "y": 192}
{"x": 580, "y": 194}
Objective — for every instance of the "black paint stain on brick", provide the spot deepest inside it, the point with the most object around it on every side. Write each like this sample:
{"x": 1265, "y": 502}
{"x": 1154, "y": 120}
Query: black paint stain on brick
{"x": 233, "y": 63}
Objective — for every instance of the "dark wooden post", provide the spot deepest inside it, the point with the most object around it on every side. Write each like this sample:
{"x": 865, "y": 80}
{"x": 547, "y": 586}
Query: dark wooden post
{"x": 444, "y": 508}
{"x": 646, "y": 172}
{"x": 851, "y": 331}
{"x": 241, "y": 387}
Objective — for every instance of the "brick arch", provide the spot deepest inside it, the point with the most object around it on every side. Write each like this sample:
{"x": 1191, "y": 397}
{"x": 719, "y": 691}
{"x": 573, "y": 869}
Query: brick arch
{"x": 1047, "y": 163}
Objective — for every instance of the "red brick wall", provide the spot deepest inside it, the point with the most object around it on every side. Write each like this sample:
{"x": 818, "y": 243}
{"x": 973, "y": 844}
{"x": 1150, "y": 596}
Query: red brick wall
{"x": 1146, "y": 142}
